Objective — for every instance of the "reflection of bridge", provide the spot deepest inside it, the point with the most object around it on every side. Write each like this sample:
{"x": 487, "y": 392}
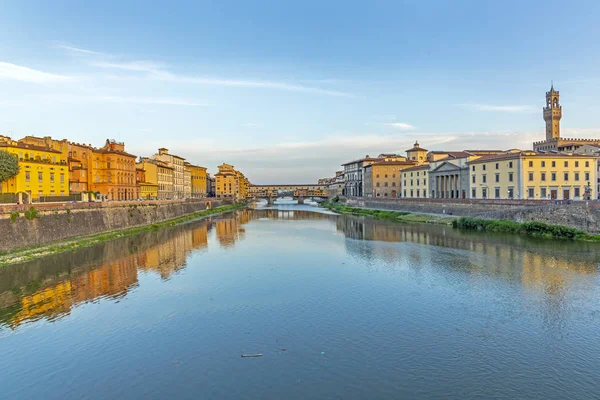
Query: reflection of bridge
{"x": 297, "y": 192}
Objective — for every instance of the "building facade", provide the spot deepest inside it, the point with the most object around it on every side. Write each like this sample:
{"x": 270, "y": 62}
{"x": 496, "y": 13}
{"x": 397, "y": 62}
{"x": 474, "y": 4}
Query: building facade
{"x": 382, "y": 178}
{"x": 198, "y": 178}
{"x": 228, "y": 183}
{"x": 177, "y": 164}
{"x": 43, "y": 171}
{"x": 114, "y": 172}
{"x": 532, "y": 175}
{"x": 415, "y": 182}
{"x": 353, "y": 176}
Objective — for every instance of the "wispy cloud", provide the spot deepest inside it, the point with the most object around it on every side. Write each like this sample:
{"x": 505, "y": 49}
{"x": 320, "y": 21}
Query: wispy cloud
{"x": 491, "y": 107}
{"x": 128, "y": 100}
{"x": 79, "y": 50}
{"x": 25, "y": 74}
{"x": 251, "y": 124}
{"x": 159, "y": 72}
{"x": 401, "y": 125}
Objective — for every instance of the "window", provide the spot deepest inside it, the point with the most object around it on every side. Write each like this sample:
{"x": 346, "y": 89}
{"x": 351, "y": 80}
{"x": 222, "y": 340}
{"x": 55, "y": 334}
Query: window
{"x": 530, "y": 164}
{"x": 530, "y": 193}
{"x": 418, "y": 192}
{"x": 27, "y": 176}
{"x": 587, "y": 164}
{"x": 484, "y": 178}
{"x": 497, "y": 193}
{"x": 40, "y": 177}
{"x": 497, "y": 166}
{"x": 566, "y": 164}
{"x": 386, "y": 175}
{"x": 473, "y": 168}
{"x": 473, "y": 179}
{"x": 484, "y": 167}
{"x": 543, "y": 164}
{"x": 484, "y": 193}
{"x": 510, "y": 164}
{"x": 51, "y": 176}
{"x": 576, "y": 164}
{"x": 531, "y": 176}
{"x": 424, "y": 183}
{"x": 474, "y": 193}
{"x": 510, "y": 176}
{"x": 377, "y": 176}
{"x": 377, "y": 184}
{"x": 553, "y": 164}
{"x": 497, "y": 177}
{"x": 385, "y": 184}
{"x": 404, "y": 192}
{"x": 566, "y": 176}
{"x": 576, "y": 176}
{"x": 393, "y": 184}
{"x": 511, "y": 192}
{"x": 553, "y": 176}
{"x": 543, "y": 194}
{"x": 577, "y": 192}
{"x": 411, "y": 194}
{"x": 543, "y": 176}
{"x": 587, "y": 176}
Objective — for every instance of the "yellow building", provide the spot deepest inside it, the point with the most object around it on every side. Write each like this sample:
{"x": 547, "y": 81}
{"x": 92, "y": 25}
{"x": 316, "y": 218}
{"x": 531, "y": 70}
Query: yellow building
{"x": 43, "y": 171}
{"x": 198, "y": 181}
{"x": 532, "y": 175}
{"x": 230, "y": 184}
{"x": 159, "y": 174}
{"x": 415, "y": 181}
{"x": 382, "y": 178}
{"x": 417, "y": 154}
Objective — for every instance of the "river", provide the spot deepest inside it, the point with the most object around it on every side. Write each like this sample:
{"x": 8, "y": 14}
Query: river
{"x": 339, "y": 306}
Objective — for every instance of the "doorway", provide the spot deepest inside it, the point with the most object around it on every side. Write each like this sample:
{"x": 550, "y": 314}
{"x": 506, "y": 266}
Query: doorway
{"x": 565, "y": 194}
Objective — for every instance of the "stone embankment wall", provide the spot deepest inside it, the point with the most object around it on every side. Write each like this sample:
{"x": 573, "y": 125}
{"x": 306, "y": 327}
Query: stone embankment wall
{"x": 583, "y": 215}
{"x": 72, "y": 220}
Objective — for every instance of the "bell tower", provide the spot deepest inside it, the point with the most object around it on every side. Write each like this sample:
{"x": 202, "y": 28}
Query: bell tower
{"x": 552, "y": 114}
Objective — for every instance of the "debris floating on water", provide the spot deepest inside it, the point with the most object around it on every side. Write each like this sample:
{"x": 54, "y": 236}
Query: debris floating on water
{"x": 251, "y": 355}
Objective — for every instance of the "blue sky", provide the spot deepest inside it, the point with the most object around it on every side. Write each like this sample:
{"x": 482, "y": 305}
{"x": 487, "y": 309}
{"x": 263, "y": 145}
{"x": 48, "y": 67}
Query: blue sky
{"x": 287, "y": 91}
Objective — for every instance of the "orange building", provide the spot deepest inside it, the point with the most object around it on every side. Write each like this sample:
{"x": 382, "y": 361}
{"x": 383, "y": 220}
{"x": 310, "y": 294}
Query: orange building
{"x": 114, "y": 172}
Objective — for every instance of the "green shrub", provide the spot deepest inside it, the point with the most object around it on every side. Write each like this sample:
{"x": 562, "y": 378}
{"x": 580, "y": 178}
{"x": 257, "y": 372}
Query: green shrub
{"x": 13, "y": 216}
{"x": 537, "y": 229}
{"x": 32, "y": 213}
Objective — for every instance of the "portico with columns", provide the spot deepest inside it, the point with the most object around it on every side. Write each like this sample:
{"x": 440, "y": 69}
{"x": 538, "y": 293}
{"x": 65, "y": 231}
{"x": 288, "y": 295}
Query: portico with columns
{"x": 449, "y": 181}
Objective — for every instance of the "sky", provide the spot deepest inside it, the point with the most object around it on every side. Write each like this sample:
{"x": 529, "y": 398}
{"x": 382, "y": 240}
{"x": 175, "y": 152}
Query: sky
{"x": 286, "y": 91}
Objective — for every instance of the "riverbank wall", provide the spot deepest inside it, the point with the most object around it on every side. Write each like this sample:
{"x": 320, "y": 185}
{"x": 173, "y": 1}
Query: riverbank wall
{"x": 584, "y": 215}
{"x": 56, "y": 222}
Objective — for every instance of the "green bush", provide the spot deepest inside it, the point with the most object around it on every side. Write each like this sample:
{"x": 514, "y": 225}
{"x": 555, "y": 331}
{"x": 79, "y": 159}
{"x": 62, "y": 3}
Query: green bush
{"x": 537, "y": 229}
{"x": 13, "y": 216}
{"x": 32, "y": 213}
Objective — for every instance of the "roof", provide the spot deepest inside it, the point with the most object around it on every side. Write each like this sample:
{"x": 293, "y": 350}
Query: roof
{"x": 28, "y": 147}
{"x": 361, "y": 159}
{"x": 417, "y": 149}
{"x": 110, "y": 151}
{"x": 453, "y": 155}
{"x": 508, "y": 156}
{"x": 416, "y": 167}
{"x": 392, "y": 163}
{"x": 478, "y": 152}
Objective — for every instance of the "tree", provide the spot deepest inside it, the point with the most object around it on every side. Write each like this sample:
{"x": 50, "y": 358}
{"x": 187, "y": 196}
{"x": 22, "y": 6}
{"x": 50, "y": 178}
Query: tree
{"x": 9, "y": 166}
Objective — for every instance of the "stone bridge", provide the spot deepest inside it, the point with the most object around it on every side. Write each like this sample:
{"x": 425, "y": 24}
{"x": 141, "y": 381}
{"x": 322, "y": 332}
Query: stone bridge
{"x": 297, "y": 192}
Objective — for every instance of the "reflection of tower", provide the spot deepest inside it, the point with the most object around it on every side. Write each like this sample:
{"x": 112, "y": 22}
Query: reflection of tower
{"x": 552, "y": 114}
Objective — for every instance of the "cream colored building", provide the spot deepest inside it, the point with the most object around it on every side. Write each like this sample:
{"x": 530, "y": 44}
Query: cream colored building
{"x": 382, "y": 178}
{"x": 415, "y": 182}
{"x": 187, "y": 181}
{"x": 177, "y": 164}
{"x": 533, "y": 175}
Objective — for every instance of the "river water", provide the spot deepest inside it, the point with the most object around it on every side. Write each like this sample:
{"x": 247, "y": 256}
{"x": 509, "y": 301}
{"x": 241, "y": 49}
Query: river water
{"x": 339, "y": 306}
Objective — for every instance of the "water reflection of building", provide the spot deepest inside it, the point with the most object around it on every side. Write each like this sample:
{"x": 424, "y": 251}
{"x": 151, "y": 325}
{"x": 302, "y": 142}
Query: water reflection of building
{"x": 112, "y": 275}
{"x": 547, "y": 265}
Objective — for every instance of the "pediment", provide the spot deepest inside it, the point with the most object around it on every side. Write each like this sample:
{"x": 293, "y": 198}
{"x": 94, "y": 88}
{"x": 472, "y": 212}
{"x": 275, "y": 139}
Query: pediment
{"x": 446, "y": 167}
